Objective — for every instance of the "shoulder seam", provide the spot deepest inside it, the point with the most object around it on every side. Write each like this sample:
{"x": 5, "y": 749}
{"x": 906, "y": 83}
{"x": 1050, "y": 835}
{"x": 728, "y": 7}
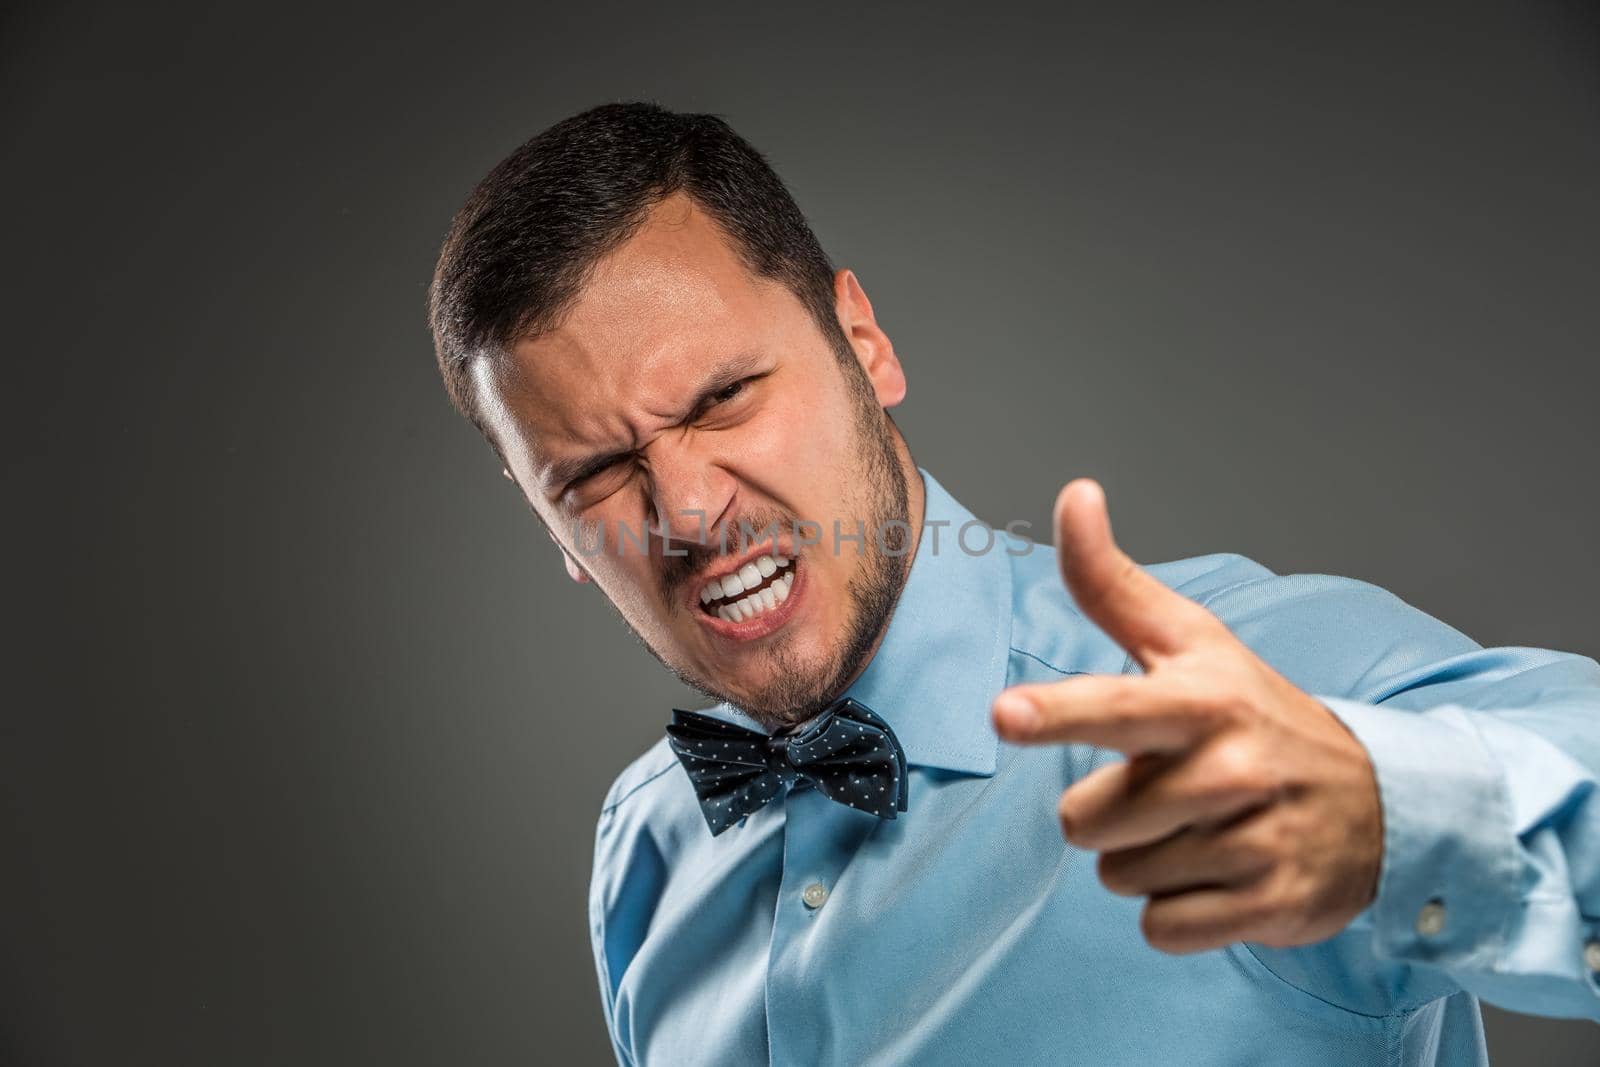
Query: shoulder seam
{"x": 1127, "y": 661}
{"x": 1237, "y": 585}
{"x": 1206, "y": 603}
{"x": 611, "y": 806}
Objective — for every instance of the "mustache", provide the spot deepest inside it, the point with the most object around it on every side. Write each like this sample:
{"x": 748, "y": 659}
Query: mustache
{"x": 730, "y": 539}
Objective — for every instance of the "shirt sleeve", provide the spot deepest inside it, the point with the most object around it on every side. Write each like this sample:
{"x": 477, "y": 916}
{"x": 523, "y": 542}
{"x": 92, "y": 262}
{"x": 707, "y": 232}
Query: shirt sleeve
{"x": 1491, "y": 858}
{"x": 1486, "y": 761}
{"x": 599, "y": 878}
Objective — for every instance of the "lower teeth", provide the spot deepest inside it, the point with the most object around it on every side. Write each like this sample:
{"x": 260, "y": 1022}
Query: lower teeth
{"x": 769, "y": 596}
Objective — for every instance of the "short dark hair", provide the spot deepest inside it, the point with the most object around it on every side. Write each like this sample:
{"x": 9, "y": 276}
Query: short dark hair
{"x": 522, "y": 246}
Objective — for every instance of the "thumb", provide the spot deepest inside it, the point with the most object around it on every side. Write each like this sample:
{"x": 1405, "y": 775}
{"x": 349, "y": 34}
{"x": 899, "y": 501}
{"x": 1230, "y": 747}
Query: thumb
{"x": 1132, "y": 606}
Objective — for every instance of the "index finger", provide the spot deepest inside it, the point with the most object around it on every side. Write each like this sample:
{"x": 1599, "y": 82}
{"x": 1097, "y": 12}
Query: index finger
{"x": 1129, "y": 713}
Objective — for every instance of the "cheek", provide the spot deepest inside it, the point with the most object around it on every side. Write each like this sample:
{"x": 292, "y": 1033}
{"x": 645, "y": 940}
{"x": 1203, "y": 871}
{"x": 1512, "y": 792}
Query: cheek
{"x": 632, "y": 586}
{"x": 615, "y": 560}
{"x": 797, "y": 446}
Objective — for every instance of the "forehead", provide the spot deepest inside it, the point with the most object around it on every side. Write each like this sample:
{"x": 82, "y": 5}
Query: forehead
{"x": 656, "y": 316}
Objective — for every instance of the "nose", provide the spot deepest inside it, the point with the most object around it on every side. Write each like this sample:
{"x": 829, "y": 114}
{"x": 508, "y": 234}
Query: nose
{"x": 689, "y": 491}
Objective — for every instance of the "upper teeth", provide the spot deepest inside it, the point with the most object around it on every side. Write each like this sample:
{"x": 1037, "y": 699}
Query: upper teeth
{"x": 731, "y": 587}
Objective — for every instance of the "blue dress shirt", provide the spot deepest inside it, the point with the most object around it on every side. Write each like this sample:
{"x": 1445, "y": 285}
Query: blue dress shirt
{"x": 968, "y": 931}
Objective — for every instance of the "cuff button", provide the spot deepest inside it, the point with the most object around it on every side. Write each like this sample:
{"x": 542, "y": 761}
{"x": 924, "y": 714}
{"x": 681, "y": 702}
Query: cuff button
{"x": 1591, "y": 955}
{"x": 1430, "y": 919}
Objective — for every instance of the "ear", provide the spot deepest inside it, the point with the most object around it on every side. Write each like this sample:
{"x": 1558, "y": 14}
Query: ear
{"x": 874, "y": 351}
{"x": 575, "y": 572}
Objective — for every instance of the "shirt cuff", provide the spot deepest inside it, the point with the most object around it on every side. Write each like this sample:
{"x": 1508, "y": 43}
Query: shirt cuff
{"x": 1447, "y": 891}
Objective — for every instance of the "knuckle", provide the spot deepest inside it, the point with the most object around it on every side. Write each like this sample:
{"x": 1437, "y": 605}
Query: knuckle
{"x": 1072, "y": 822}
{"x": 1296, "y": 929}
{"x": 1297, "y": 904}
{"x": 1285, "y": 924}
{"x": 1153, "y": 927}
{"x": 1277, "y": 902}
{"x": 1277, "y": 937}
{"x": 1216, "y": 703}
{"x": 1160, "y": 931}
{"x": 1236, "y": 767}
{"x": 1122, "y": 704}
{"x": 1127, "y": 570}
{"x": 1258, "y": 842}
{"x": 1115, "y": 875}
{"x": 1282, "y": 838}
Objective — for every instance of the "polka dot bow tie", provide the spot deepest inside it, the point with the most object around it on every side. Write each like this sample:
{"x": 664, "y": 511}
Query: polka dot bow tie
{"x": 847, "y": 752}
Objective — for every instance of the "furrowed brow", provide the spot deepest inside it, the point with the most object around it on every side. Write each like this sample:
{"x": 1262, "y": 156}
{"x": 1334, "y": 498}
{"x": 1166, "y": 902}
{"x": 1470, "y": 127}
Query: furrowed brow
{"x": 562, "y": 472}
{"x": 736, "y": 369}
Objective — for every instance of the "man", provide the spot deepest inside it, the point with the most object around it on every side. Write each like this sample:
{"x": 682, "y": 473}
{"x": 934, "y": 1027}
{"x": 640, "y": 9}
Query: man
{"x": 964, "y": 799}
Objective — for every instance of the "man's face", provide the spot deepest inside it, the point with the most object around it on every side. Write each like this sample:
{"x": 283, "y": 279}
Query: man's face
{"x": 684, "y": 402}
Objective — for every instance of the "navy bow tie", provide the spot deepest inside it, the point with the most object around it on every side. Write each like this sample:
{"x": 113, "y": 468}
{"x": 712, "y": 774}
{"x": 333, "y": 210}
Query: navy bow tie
{"x": 847, "y": 752}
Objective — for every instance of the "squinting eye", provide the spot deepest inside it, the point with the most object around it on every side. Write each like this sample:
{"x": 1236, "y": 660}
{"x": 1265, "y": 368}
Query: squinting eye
{"x": 598, "y": 477}
{"x": 727, "y": 393}
{"x": 609, "y": 468}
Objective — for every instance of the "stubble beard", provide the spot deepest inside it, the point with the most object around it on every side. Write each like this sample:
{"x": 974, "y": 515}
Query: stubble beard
{"x": 799, "y": 689}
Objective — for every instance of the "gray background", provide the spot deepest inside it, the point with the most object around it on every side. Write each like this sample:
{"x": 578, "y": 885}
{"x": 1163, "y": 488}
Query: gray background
{"x": 1314, "y": 285}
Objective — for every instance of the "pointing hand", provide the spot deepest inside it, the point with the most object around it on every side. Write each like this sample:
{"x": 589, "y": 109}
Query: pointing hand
{"x": 1245, "y": 810}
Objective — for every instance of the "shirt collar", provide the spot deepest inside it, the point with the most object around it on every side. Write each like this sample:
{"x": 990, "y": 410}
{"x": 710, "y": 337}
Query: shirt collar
{"x": 943, "y": 659}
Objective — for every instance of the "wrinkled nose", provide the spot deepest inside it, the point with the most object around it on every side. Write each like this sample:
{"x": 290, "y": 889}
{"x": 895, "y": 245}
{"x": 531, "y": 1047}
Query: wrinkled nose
{"x": 688, "y": 493}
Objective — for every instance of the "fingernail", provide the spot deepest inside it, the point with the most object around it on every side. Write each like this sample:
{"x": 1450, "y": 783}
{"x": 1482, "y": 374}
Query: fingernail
{"x": 1016, "y": 712}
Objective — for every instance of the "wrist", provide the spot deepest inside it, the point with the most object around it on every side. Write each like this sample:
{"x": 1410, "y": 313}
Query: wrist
{"x": 1445, "y": 888}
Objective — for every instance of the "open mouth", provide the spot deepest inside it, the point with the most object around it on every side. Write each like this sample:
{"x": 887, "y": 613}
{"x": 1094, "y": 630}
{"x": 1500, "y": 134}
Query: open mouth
{"x": 753, "y": 590}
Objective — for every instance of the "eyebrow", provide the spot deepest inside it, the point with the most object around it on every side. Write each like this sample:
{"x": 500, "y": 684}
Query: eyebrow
{"x": 562, "y": 472}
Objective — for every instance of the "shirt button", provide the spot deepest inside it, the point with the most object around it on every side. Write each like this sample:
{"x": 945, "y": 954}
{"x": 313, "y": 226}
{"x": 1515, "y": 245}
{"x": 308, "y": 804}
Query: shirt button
{"x": 1430, "y": 920}
{"x": 814, "y": 894}
{"x": 1591, "y": 956}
